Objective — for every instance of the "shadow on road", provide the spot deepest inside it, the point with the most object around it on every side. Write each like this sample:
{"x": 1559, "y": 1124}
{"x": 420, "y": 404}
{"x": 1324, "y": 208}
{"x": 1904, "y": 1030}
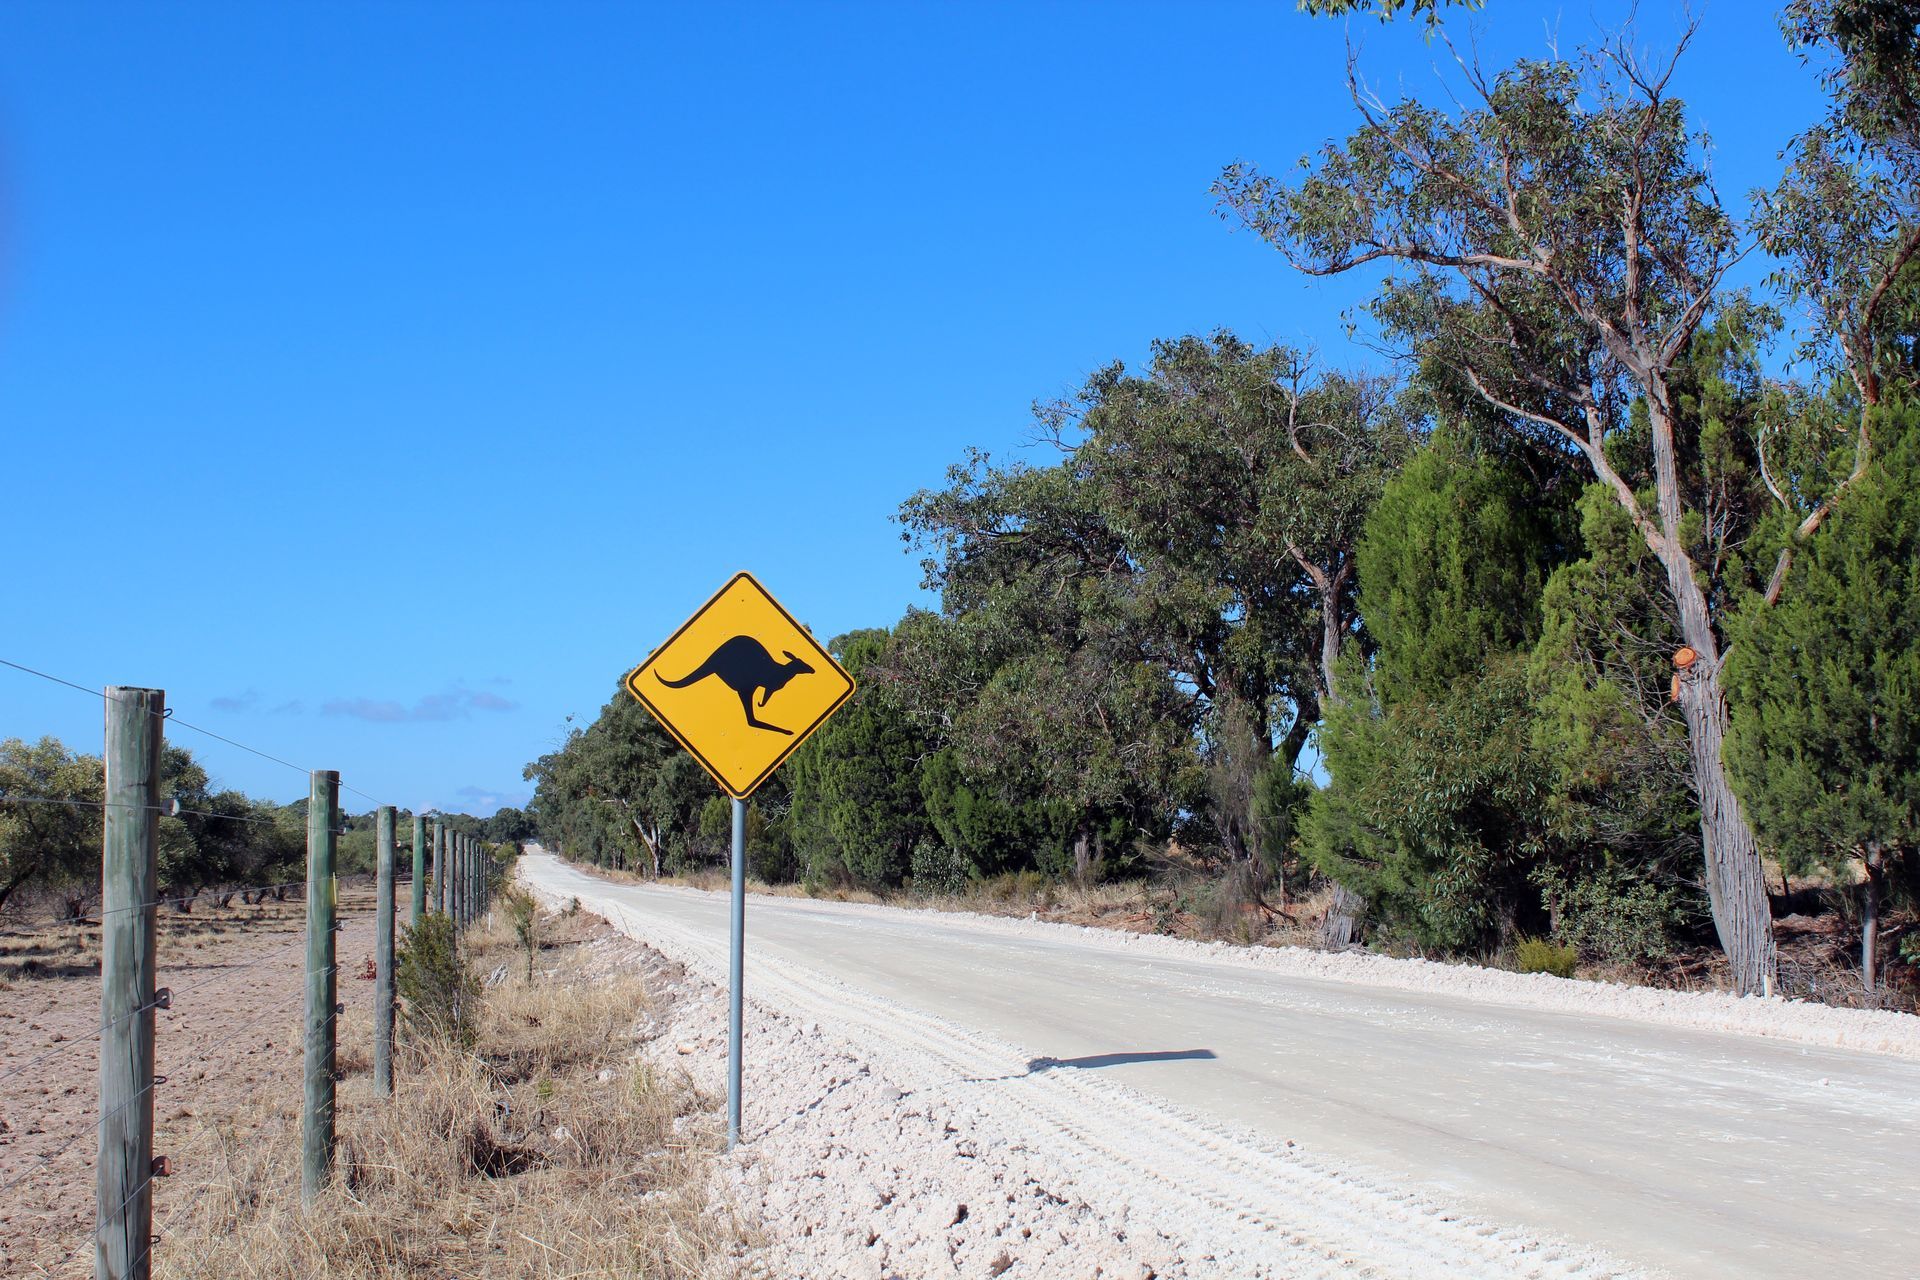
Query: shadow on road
{"x": 1094, "y": 1061}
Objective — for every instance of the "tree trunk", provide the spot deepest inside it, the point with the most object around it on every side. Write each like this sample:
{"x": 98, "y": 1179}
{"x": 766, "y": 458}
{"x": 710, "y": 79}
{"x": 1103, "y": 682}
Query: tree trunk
{"x": 1870, "y": 917}
{"x": 1080, "y": 857}
{"x": 6, "y": 890}
{"x": 1341, "y": 928}
{"x": 1736, "y": 881}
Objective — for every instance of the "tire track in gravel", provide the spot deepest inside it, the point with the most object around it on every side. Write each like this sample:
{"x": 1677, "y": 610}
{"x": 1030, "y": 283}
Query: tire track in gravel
{"x": 1230, "y": 1193}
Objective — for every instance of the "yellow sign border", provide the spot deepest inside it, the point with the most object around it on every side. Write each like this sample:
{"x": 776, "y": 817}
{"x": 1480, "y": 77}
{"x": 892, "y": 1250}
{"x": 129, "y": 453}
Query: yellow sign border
{"x": 632, "y": 683}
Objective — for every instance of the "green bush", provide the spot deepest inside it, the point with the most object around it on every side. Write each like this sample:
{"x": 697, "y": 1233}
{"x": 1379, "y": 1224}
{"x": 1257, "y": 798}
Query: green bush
{"x": 1537, "y": 955}
{"x": 523, "y": 913}
{"x": 938, "y": 869}
{"x": 1612, "y": 913}
{"x": 439, "y": 989}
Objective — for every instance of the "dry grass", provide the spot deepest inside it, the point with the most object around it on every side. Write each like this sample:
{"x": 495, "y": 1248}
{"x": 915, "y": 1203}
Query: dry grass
{"x": 551, "y": 1150}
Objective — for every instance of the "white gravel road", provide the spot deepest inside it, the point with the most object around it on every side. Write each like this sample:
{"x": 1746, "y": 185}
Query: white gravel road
{"x": 1326, "y": 1115}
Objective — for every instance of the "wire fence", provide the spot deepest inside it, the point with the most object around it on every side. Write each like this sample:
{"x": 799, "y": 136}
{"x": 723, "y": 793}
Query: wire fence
{"x": 217, "y": 1046}
{"x": 280, "y": 981}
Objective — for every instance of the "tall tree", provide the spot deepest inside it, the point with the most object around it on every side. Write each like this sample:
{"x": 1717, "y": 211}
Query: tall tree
{"x": 1845, "y": 223}
{"x": 1565, "y": 246}
{"x": 1825, "y": 744}
{"x": 1384, "y": 9}
{"x": 855, "y": 783}
{"x": 1032, "y": 672}
{"x": 1199, "y": 529}
{"x": 1431, "y": 808}
{"x": 49, "y": 814}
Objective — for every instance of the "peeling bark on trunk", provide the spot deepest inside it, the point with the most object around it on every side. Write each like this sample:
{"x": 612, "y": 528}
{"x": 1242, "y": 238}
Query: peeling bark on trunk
{"x": 650, "y": 840}
{"x": 1341, "y": 928}
{"x": 1348, "y": 910}
{"x": 1080, "y": 857}
{"x": 1870, "y": 916}
{"x": 1736, "y": 881}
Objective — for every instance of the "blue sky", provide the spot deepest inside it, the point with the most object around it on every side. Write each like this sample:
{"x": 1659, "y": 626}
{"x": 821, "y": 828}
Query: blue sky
{"x": 384, "y": 380}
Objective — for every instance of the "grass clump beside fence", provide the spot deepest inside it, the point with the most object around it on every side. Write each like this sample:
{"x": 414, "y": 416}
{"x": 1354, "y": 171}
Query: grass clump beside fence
{"x": 527, "y": 1137}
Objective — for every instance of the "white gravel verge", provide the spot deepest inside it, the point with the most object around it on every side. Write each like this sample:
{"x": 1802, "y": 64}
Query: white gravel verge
{"x": 885, "y": 1144}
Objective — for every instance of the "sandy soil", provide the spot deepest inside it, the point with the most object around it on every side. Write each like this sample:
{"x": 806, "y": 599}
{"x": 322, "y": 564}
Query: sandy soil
{"x": 232, "y": 1034}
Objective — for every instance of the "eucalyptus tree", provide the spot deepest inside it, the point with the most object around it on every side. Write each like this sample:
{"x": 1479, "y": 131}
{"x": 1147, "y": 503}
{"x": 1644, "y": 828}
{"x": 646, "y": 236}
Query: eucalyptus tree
{"x": 1844, "y": 221}
{"x": 1195, "y": 540}
{"x": 1034, "y": 672}
{"x": 1430, "y": 10}
{"x": 49, "y": 814}
{"x": 621, "y": 786}
{"x": 1560, "y": 246}
{"x": 1242, "y": 477}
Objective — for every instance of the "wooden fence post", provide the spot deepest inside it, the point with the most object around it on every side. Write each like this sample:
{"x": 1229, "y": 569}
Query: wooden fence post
{"x": 316, "y": 1129}
{"x": 124, "y": 1170}
{"x": 419, "y": 870}
{"x": 383, "y": 955}
{"x": 439, "y": 867}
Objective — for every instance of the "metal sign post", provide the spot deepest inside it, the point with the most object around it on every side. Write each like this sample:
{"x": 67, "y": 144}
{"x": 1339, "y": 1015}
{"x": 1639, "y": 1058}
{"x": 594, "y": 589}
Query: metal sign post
{"x": 736, "y": 962}
{"x": 710, "y": 686}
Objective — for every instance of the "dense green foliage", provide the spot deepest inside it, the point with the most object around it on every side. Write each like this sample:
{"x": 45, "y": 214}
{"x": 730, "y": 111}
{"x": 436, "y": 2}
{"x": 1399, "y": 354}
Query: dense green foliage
{"x": 1463, "y": 644}
{"x": 1825, "y": 685}
{"x": 856, "y": 808}
{"x": 221, "y": 840}
{"x": 438, "y": 989}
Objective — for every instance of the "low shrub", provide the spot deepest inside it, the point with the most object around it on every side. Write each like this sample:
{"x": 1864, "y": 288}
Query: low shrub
{"x": 1537, "y": 955}
{"x": 938, "y": 869}
{"x": 437, "y": 985}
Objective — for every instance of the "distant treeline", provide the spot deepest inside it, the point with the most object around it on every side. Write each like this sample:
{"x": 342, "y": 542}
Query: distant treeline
{"x": 1586, "y": 622}
{"x": 50, "y": 828}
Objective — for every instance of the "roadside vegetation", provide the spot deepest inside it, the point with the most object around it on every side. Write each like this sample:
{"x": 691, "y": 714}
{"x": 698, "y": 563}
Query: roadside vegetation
{"x": 527, "y": 1136}
{"x": 1591, "y": 629}
{"x": 221, "y": 845}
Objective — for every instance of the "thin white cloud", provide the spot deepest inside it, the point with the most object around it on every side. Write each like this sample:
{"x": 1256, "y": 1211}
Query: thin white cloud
{"x": 455, "y": 704}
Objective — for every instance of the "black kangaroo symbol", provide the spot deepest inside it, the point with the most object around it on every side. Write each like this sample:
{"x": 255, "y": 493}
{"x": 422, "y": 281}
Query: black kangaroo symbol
{"x": 744, "y": 665}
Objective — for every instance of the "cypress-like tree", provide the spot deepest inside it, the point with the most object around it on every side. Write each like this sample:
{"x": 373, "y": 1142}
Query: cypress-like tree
{"x": 855, "y": 784}
{"x": 1824, "y": 687}
{"x": 1431, "y": 810}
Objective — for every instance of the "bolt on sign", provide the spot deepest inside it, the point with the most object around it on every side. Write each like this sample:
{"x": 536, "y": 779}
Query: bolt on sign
{"x": 741, "y": 685}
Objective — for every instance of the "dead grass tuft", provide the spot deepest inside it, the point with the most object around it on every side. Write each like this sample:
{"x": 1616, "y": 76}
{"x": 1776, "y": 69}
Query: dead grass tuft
{"x": 550, "y": 1150}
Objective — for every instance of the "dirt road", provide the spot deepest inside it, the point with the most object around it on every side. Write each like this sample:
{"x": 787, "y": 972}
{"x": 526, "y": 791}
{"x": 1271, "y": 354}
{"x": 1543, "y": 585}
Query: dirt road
{"x": 1388, "y": 1126}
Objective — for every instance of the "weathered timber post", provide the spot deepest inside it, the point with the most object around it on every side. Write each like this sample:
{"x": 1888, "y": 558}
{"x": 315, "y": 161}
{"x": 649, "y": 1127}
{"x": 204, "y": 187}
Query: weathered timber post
{"x": 419, "y": 870}
{"x": 316, "y": 1129}
{"x": 439, "y": 867}
{"x": 457, "y": 879}
{"x": 129, "y": 875}
{"x": 383, "y": 956}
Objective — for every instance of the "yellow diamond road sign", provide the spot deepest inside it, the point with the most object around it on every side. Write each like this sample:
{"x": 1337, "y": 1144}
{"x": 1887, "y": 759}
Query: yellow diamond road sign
{"x": 741, "y": 684}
